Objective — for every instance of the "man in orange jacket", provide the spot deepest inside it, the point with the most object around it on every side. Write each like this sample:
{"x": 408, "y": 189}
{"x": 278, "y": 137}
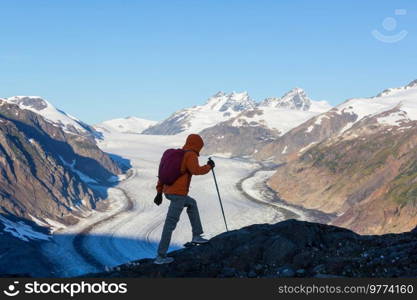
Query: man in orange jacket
{"x": 177, "y": 193}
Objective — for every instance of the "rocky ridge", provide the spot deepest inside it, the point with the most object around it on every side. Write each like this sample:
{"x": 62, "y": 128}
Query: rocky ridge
{"x": 287, "y": 249}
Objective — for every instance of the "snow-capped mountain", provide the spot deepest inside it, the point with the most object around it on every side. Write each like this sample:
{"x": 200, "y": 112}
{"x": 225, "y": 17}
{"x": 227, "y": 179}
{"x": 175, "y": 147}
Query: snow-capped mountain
{"x": 53, "y": 115}
{"x": 250, "y": 130}
{"x": 294, "y": 99}
{"x": 387, "y": 92}
{"x": 125, "y": 125}
{"x": 282, "y": 114}
{"x": 219, "y": 108}
{"x": 402, "y": 102}
{"x": 393, "y": 107}
{"x": 234, "y": 102}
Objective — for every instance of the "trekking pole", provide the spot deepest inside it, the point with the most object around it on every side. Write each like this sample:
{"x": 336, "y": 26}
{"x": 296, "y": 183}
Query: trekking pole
{"x": 220, "y": 199}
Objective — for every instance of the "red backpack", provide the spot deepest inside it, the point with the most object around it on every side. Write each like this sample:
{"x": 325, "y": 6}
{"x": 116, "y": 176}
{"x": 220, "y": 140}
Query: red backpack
{"x": 170, "y": 166}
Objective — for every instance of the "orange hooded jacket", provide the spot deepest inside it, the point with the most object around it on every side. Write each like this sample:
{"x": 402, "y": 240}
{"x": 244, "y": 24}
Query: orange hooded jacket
{"x": 189, "y": 167}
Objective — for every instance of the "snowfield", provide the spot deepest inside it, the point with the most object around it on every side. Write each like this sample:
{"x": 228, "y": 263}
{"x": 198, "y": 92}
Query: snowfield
{"x": 125, "y": 125}
{"x": 135, "y": 232}
{"x": 404, "y": 98}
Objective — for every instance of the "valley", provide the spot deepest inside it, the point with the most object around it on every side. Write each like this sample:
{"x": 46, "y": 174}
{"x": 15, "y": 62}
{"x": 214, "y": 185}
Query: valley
{"x": 92, "y": 187}
{"x": 130, "y": 229}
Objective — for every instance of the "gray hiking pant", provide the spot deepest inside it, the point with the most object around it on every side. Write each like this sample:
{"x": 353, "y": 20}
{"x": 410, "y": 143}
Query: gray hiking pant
{"x": 174, "y": 212}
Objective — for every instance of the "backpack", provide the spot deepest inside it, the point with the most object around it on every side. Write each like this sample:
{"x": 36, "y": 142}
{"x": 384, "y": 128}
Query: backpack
{"x": 170, "y": 166}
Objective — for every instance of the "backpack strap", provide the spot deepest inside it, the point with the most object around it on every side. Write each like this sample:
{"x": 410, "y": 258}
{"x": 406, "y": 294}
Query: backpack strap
{"x": 186, "y": 171}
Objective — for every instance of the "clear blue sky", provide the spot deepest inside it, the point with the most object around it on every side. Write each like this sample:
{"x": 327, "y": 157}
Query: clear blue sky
{"x": 103, "y": 59}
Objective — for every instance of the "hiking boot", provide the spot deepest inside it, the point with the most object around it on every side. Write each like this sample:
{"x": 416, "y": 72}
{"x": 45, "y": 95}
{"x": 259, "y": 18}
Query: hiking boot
{"x": 199, "y": 240}
{"x": 161, "y": 260}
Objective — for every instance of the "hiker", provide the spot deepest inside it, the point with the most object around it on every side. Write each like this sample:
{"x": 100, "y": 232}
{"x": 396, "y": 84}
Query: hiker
{"x": 177, "y": 193}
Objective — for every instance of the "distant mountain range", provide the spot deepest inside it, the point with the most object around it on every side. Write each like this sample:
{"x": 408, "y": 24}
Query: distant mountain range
{"x": 252, "y": 129}
{"x": 397, "y": 105}
{"x": 218, "y": 108}
{"x": 242, "y": 110}
{"x": 124, "y": 125}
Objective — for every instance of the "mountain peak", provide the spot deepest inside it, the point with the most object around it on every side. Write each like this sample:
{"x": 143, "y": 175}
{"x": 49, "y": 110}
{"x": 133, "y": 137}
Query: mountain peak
{"x": 294, "y": 92}
{"x": 237, "y": 95}
{"x": 412, "y": 84}
{"x": 295, "y": 99}
{"x": 238, "y": 102}
{"x": 29, "y": 102}
{"x": 234, "y": 101}
{"x": 53, "y": 115}
{"x": 219, "y": 108}
{"x": 219, "y": 94}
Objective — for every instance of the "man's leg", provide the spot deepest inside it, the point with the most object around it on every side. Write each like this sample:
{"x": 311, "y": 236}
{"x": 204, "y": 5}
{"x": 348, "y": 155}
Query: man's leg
{"x": 173, "y": 216}
{"x": 194, "y": 216}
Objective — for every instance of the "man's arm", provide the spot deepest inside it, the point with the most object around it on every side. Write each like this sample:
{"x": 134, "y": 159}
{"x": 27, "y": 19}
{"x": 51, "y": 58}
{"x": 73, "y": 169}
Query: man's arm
{"x": 194, "y": 167}
{"x": 159, "y": 187}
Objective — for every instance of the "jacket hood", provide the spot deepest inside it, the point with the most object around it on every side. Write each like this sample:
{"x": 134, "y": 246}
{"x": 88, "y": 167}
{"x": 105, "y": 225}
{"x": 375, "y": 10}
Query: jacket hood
{"x": 194, "y": 143}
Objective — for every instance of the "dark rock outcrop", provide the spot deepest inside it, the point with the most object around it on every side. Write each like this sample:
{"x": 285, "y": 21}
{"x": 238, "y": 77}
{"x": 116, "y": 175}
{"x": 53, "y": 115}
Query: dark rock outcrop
{"x": 287, "y": 249}
{"x": 229, "y": 140}
{"x": 20, "y": 258}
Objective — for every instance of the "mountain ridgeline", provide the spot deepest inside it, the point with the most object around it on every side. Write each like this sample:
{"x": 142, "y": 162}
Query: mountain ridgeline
{"x": 218, "y": 108}
{"x": 235, "y": 125}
